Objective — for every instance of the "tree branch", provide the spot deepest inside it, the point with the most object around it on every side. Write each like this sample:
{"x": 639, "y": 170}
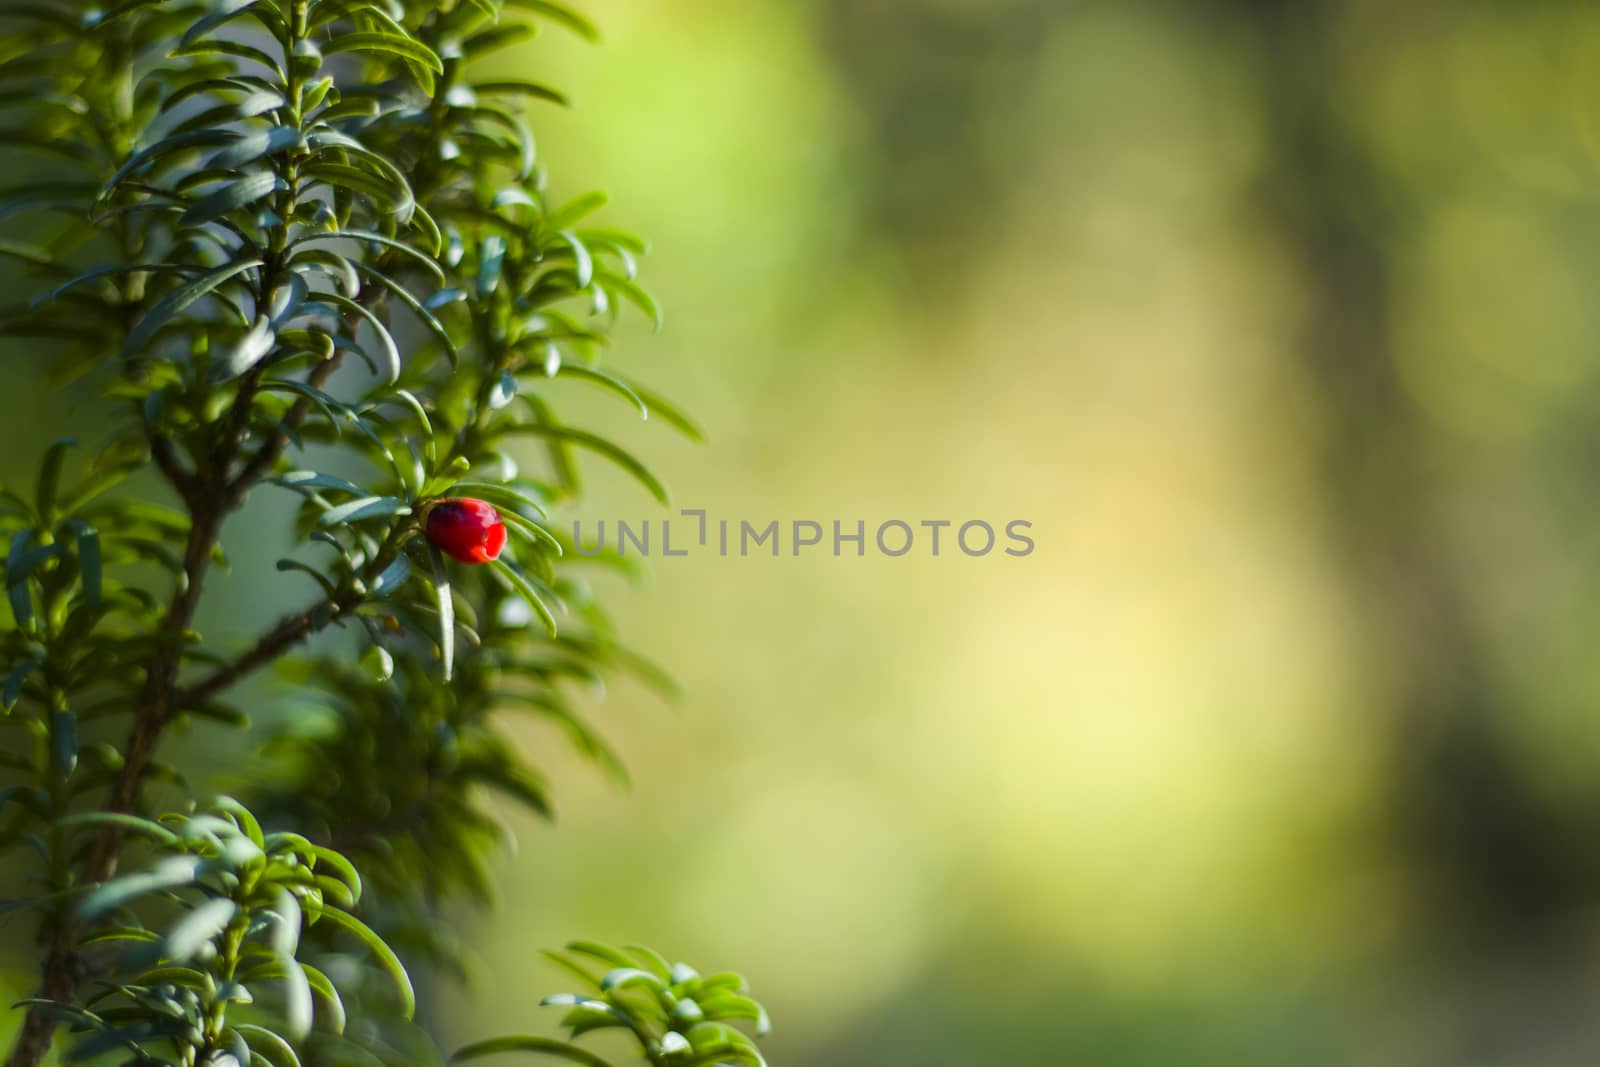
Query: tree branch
{"x": 259, "y": 464}
{"x": 284, "y": 634}
{"x": 165, "y": 454}
{"x": 60, "y": 970}
{"x": 208, "y": 506}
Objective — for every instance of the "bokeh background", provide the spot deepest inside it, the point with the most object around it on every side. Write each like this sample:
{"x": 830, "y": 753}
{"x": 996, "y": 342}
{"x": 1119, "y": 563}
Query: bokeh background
{"x": 1275, "y": 318}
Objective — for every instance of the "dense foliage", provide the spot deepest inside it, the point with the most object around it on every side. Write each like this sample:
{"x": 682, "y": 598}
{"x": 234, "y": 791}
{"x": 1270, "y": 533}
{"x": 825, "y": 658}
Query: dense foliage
{"x": 301, "y": 248}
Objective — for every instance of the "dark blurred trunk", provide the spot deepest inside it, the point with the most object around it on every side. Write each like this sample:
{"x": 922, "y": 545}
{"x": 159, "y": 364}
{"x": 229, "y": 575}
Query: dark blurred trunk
{"x": 1491, "y": 864}
{"x": 1487, "y": 859}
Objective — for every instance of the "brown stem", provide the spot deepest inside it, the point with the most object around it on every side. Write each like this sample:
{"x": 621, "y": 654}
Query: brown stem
{"x": 165, "y": 454}
{"x": 60, "y": 970}
{"x": 287, "y": 632}
{"x": 204, "y": 492}
{"x": 56, "y": 983}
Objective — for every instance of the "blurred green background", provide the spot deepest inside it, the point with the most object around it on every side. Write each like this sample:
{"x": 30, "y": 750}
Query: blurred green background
{"x": 1275, "y": 318}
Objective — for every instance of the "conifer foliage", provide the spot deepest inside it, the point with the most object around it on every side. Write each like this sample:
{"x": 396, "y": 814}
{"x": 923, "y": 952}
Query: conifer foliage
{"x": 302, "y": 248}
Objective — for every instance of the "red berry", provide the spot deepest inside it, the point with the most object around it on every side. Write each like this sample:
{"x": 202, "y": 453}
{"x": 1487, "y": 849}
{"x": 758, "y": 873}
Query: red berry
{"x": 465, "y": 529}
